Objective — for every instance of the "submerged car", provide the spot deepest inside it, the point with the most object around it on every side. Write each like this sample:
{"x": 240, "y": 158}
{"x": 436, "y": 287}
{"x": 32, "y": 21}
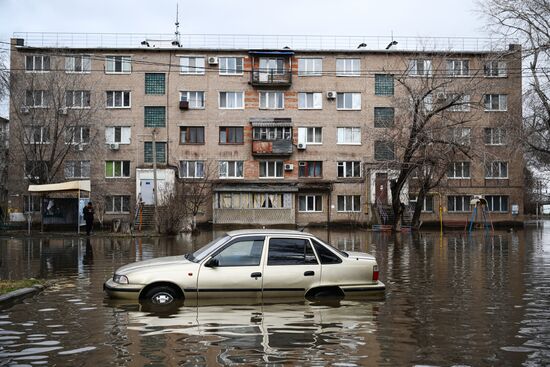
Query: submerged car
{"x": 250, "y": 264}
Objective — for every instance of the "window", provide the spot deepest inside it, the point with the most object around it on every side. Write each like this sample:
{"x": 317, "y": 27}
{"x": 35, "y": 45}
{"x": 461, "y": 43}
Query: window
{"x": 272, "y": 100}
{"x": 117, "y": 204}
{"x": 231, "y": 135}
{"x": 496, "y": 102}
{"x": 231, "y": 65}
{"x": 310, "y": 203}
{"x": 250, "y": 200}
{"x": 242, "y": 252}
{"x": 31, "y": 203}
{"x": 310, "y": 169}
{"x": 195, "y": 99}
{"x": 349, "y": 203}
{"x": 348, "y": 67}
{"x": 77, "y": 135}
{"x": 117, "y": 169}
{"x": 383, "y": 150}
{"x": 310, "y": 101}
{"x": 290, "y": 251}
{"x": 37, "y": 134}
{"x": 384, "y": 116}
{"x": 155, "y": 83}
{"x": 310, "y": 135}
{"x": 497, "y": 203}
{"x": 420, "y": 67}
{"x": 231, "y": 169}
{"x": 78, "y": 64}
{"x": 35, "y": 170}
{"x": 160, "y": 148}
{"x": 272, "y": 66}
{"x": 118, "y": 64}
{"x": 347, "y": 169}
{"x": 460, "y": 103}
{"x": 458, "y": 67}
{"x": 118, "y": 134}
{"x": 272, "y": 133}
{"x": 383, "y": 85}
{"x": 77, "y": 98}
{"x": 191, "y": 135}
{"x": 191, "y": 169}
{"x": 271, "y": 169}
{"x": 496, "y": 169}
{"x": 77, "y": 169}
{"x": 458, "y": 203}
{"x": 118, "y": 99}
{"x": 495, "y": 69}
{"x": 310, "y": 67}
{"x": 461, "y": 135}
{"x": 154, "y": 116}
{"x": 349, "y": 135}
{"x": 494, "y": 136}
{"x": 427, "y": 205}
{"x": 37, "y": 63}
{"x": 231, "y": 100}
{"x": 459, "y": 170}
{"x": 191, "y": 65}
{"x": 348, "y": 101}
{"x": 325, "y": 255}
{"x": 37, "y": 98}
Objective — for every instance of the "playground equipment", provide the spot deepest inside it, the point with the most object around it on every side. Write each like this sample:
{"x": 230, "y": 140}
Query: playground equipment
{"x": 480, "y": 214}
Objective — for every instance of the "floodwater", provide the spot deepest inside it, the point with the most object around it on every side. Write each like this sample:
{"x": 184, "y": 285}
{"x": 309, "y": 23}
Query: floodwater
{"x": 479, "y": 300}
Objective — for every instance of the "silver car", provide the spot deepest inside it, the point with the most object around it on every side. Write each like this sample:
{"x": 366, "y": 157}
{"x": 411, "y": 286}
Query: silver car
{"x": 257, "y": 264}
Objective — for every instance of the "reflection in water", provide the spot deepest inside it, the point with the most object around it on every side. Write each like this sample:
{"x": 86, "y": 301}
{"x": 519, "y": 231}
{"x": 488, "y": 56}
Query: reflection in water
{"x": 478, "y": 300}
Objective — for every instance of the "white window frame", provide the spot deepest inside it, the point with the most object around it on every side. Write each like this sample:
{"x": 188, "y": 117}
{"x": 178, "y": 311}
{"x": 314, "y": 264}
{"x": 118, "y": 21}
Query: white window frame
{"x": 225, "y": 69}
{"x": 122, "y": 163}
{"x": 414, "y": 198}
{"x": 462, "y": 135}
{"x": 502, "y": 102}
{"x": 193, "y": 168}
{"x": 42, "y": 69}
{"x": 111, "y": 133}
{"x": 346, "y": 199}
{"x": 112, "y": 60}
{"x": 458, "y": 68}
{"x": 496, "y": 170}
{"x": 81, "y": 62}
{"x": 344, "y": 165}
{"x": 114, "y": 199}
{"x": 462, "y": 103}
{"x": 192, "y": 68}
{"x": 499, "y": 66}
{"x": 464, "y": 201}
{"x": 123, "y": 95}
{"x": 310, "y": 100}
{"x": 353, "y": 99}
{"x": 79, "y": 99}
{"x": 344, "y": 133}
{"x": 308, "y": 66}
{"x": 348, "y": 67}
{"x": 225, "y": 169}
{"x": 71, "y": 165}
{"x": 272, "y": 100}
{"x": 306, "y": 133}
{"x": 196, "y": 99}
{"x": 496, "y": 136}
{"x": 44, "y": 134}
{"x": 458, "y": 169}
{"x": 415, "y": 70}
{"x": 77, "y": 138}
{"x": 312, "y": 203}
{"x": 234, "y": 96}
{"x": 491, "y": 201}
{"x": 43, "y": 96}
{"x": 271, "y": 166}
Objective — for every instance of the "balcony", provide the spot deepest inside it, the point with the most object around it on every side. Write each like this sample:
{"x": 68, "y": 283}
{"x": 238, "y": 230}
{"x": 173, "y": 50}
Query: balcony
{"x": 271, "y": 78}
{"x": 281, "y": 147}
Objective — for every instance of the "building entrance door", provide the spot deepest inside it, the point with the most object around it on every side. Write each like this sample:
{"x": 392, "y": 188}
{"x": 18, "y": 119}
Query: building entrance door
{"x": 146, "y": 190}
{"x": 381, "y": 183}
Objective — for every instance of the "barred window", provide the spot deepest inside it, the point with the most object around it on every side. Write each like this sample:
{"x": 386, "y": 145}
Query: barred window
{"x": 383, "y": 151}
{"x": 155, "y": 116}
{"x": 160, "y": 147}
{"x": 383, "y": 85}
{"x": 384, "y": 116}
{"x": 155, "y": 83}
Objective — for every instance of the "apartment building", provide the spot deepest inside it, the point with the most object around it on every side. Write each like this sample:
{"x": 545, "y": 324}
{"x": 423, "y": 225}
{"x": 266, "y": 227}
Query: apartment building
{"x": 285, "y": 136}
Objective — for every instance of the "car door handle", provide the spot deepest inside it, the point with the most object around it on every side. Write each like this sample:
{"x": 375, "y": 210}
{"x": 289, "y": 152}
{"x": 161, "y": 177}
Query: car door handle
{"x": 309, "y": 273}
{"x": 256, "y": 275}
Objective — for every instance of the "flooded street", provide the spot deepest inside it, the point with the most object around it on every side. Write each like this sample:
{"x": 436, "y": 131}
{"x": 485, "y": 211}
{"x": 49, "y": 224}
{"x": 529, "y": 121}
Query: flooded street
{"x": 479, "y": 300}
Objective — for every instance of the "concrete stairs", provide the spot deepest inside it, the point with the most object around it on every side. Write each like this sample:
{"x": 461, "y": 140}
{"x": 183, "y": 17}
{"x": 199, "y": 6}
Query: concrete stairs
{"x": 147, "y": 217}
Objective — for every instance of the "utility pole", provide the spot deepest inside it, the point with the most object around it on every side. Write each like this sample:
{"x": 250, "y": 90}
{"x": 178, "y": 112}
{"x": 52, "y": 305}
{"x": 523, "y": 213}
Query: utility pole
{"x": 155, "y": 196}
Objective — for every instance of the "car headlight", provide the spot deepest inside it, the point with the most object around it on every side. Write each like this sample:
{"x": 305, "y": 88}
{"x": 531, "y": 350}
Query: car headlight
{"x": 120, "y": 279}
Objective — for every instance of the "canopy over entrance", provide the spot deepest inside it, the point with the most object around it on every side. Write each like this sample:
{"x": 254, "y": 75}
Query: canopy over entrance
{"x": 69, "y": 186}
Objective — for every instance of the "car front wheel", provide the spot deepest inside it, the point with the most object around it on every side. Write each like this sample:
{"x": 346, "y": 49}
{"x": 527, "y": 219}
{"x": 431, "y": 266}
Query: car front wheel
{"x": 161, "y": 295}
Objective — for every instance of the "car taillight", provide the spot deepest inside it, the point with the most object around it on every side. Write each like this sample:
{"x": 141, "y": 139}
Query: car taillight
{"x": 375, "y": 273}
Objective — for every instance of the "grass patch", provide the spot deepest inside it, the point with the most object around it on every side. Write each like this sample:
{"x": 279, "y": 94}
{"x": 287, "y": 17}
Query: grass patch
{"x": 7, "y": 286}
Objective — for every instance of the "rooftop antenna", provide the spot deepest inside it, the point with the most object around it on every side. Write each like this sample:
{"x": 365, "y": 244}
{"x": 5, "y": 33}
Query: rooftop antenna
{"x": 176, "y": 41}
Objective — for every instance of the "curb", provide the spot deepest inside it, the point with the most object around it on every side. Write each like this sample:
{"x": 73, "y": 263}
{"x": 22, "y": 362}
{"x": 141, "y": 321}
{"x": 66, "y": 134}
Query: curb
{"x": 9, "y": 299}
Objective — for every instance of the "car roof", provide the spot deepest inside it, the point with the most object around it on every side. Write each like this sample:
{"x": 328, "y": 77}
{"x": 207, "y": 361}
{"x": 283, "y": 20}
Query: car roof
{"x": 254, "y": 231}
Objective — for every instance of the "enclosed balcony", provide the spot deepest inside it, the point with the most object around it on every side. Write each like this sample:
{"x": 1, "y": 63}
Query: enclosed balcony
{"x": 271, "y": 69}
{"x": 272, "y": 136}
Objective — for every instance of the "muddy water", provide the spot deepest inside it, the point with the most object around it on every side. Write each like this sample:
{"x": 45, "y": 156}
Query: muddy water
{"x": 480, "y": 300}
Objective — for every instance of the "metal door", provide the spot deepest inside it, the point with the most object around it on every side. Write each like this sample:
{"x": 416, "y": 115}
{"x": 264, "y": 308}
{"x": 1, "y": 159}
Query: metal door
{"x": 146, "y": 190}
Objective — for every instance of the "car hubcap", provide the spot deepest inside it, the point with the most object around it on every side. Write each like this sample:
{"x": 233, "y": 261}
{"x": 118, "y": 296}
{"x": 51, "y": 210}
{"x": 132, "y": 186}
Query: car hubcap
{"x": 162, "y": 298}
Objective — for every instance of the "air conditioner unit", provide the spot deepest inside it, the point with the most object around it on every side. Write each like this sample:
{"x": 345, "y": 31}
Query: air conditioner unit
{"x": 24, "y": 110}
{"x": 63, "y": 111}
{"x": 331, "y": 94}
{"x": 114, "y": 146}
{"x": 184, "y": 105}
{"x": 302, "y": 146}
{"x": 213, "y": 60}
{"x": 289, "y": 166}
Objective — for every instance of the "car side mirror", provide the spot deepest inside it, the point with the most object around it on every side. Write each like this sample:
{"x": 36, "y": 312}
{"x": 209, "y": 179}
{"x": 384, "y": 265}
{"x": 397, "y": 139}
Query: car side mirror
{"x": 212, "y": 263}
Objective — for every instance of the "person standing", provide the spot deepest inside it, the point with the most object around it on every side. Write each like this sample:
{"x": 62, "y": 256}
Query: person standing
{"x": 88, "y": 213}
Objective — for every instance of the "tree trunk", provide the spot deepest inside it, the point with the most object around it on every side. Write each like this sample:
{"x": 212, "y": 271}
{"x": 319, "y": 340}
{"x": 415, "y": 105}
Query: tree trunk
{"x": 396, "y": 206}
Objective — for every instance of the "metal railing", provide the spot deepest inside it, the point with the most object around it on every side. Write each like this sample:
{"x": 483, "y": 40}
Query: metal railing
{"x": 248, "y": 41}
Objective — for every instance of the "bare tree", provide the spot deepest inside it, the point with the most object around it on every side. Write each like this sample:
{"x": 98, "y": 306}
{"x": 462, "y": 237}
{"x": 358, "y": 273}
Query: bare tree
{"x": 197, "y": 193}
{"x": 172, "y": 213}
{"x": 529, "y": 21}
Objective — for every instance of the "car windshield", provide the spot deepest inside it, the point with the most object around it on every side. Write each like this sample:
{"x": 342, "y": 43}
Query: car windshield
{"x": 206, "y": 249}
